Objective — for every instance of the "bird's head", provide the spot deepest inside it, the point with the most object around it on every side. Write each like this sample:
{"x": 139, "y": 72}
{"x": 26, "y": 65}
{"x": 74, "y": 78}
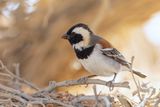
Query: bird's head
{"x": 78, "y": 35}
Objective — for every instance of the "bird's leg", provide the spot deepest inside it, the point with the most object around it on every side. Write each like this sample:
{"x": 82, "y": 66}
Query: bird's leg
{"x": 85, "y": 78}
{"x": 111, "y": 87}
{"x": 115, "y": 74}
{"x": 91, "y": 76}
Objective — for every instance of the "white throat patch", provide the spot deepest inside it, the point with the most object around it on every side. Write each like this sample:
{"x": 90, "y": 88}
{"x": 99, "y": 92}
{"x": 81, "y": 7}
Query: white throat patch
{"x": 79, "y": 45}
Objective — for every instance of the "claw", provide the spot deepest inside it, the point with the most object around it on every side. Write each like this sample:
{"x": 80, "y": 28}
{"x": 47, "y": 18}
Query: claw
{"x": 83, "y": 79}
{"x": 111, "y": 87}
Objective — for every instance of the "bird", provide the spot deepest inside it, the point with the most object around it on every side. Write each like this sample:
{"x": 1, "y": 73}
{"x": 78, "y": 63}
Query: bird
{"x": 97, "y": 55}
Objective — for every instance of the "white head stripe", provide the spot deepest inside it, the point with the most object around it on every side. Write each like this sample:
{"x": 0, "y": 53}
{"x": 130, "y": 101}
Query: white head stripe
{"x": 82, "y": 31}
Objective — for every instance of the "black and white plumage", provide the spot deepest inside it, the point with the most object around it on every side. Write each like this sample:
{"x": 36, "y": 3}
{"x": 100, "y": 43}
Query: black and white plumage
{"x": 96, "y": 54}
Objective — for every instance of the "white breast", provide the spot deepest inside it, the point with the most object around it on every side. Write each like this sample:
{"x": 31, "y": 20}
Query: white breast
{"x": 99, "y": 64}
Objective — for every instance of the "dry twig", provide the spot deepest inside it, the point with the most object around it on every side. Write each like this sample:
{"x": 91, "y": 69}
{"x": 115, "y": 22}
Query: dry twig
{"x": 139, "y": 95}
{"x": 67, "y": 83}
{"x": 10, "y": 96}
{"x": 3, "y": 67}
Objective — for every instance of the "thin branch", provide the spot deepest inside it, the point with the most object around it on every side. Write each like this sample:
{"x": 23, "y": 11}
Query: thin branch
{"x": 9, "y": 95}
{"x": 52, "y": 101}
{"x": 96, "y": 96}
{"x": 146, "y": 98}
{"x": 124, "y": 101}
{"x": 17, "y": 73}
{"x": 79, "y": 99}
{"x": 139, "y": 95}
{"x": 67, "y": 83}
{"x": 18, "y": 78}
{"x": 25, "y": 97}
{"x": 5, "y": 75}
{"x": 14, "y": 97}
{"x": 15, "y": 92}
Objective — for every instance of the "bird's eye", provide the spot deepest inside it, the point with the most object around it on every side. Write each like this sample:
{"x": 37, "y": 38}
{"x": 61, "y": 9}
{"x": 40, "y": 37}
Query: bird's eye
{"x": 76, "y": 38}
{"x": 75, "y": 34}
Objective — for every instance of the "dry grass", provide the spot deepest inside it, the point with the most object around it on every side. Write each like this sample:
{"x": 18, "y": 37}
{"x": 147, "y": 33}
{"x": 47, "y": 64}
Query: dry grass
{"x": 13, "y": 95}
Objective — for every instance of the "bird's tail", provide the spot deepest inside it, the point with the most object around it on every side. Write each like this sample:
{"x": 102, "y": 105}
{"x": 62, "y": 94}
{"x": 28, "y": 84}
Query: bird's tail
{"x": 139, "y": 74}
{"x": 127, "y": 67}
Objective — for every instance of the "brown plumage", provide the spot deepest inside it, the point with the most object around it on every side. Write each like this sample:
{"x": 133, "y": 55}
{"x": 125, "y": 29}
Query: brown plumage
{"x": 113, "y": 53}
{"x": 104, "y": 43}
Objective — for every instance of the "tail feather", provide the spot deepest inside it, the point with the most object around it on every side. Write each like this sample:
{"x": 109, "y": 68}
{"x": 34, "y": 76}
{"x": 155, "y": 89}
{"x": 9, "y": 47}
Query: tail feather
{"x": 135, "y": 72}
{"x": 139, "y": 74}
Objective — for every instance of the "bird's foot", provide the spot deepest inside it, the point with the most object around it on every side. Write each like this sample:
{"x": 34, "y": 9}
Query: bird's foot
{"x": 83, "y": 79}
{"x": 111, "y": 86}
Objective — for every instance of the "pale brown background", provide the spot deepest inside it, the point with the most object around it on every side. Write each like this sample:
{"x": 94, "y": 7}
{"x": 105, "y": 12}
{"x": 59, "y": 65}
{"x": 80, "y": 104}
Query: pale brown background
{"x": 34, "y": 39}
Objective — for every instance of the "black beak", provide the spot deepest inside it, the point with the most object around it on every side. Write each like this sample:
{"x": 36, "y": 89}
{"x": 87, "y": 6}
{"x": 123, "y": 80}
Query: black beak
{"x": 65, "y": 36}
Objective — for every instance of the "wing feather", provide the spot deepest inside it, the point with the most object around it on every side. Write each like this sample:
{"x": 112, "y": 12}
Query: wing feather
{"x": 113, "y": 53}
{"x": 116, "y": 55}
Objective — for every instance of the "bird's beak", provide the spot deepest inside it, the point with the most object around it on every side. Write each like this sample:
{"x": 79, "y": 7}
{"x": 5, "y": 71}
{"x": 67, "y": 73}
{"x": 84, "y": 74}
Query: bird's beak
{"x": 65, "y": 36}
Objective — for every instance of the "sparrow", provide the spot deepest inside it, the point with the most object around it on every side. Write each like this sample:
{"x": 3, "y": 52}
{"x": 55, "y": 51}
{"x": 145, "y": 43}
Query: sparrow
{"x": 96, "y": 54}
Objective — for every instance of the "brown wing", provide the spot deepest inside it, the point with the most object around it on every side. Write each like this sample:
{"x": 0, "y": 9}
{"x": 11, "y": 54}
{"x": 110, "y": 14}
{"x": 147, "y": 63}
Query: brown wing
{"x": 116, "y": 55}
{"x": 104, "y": 43}
{"x": 113, "y": 53}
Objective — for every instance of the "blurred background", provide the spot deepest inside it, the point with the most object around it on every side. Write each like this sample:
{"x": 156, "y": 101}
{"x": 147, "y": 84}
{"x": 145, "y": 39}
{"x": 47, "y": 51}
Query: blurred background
{"x": 30, "y": 35}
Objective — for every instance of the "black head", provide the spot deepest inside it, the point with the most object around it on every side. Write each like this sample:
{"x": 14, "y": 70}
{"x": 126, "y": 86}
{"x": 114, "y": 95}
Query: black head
{"x": 77, "y": 33}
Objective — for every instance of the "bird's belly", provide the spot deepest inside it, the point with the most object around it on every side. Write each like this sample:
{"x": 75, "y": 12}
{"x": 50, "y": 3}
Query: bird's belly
{"x": 99, "y": 64}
